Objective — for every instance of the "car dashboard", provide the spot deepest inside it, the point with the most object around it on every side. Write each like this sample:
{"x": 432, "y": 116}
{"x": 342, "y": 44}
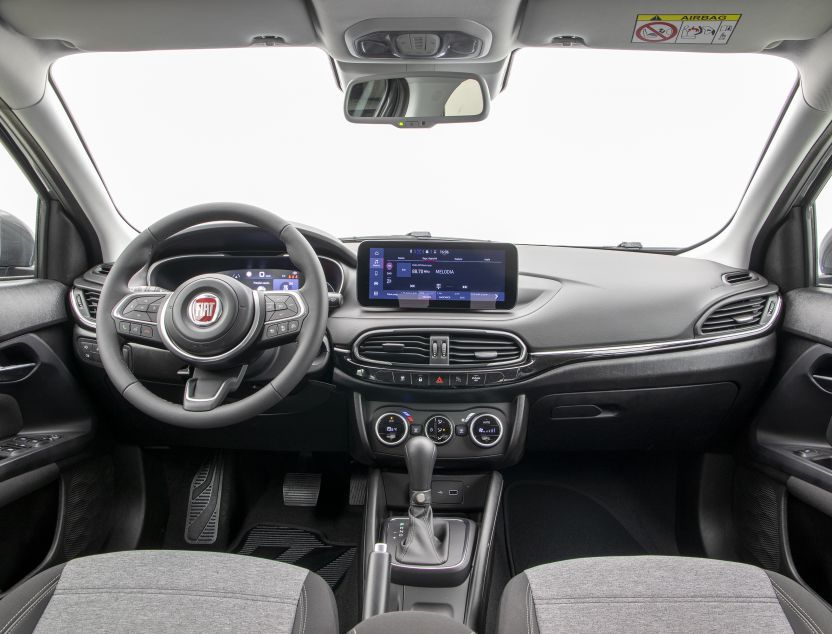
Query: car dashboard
{"x": 599, "y": 349}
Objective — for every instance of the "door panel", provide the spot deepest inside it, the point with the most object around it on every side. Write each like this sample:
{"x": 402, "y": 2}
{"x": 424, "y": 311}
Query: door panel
{"x": 46, "y": 425}
{"x": 791, "y": 448}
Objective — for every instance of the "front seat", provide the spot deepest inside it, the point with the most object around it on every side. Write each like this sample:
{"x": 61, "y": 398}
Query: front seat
{"x": 658, "y": 594}
{"x": 171, "y": 591}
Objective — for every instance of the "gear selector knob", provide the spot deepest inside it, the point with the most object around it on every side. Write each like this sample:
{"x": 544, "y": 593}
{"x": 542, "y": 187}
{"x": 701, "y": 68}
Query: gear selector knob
{"x": 420, "y": 456}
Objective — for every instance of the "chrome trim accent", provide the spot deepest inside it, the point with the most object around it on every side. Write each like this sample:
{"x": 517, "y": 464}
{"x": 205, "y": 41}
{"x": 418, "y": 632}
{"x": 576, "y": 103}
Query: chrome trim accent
{"x": 89, "y": 323}
{"x": 441, "y": 331}
{"x": 663, "y": 346}
{"x": 117, "y": 310}
{"x": 188, "y": 256}
{"x": 471, "y": 430}
{"x": 398, "y": 442}
{"x": 255, "y": 326}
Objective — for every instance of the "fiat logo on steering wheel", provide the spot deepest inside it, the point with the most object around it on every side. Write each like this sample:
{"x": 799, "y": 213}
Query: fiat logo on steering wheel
{"x": 205, "y": 309}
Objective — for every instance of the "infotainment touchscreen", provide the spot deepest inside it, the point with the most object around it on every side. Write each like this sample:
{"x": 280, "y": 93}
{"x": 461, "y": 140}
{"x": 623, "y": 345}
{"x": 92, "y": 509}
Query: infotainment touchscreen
{"x": 431, "y": 274}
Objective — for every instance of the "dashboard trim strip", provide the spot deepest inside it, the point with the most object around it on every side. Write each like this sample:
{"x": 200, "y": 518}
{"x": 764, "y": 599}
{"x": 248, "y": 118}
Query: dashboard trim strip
{"x": 667, "y": 345}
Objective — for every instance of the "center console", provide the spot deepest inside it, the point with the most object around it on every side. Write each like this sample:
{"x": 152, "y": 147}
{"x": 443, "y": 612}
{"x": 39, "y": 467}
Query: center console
{"x": 435, "y": 412}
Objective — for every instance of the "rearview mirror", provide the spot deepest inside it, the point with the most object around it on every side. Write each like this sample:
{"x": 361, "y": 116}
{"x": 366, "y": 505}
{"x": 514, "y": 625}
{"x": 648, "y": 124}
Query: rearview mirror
{"x": 417, "y": 100}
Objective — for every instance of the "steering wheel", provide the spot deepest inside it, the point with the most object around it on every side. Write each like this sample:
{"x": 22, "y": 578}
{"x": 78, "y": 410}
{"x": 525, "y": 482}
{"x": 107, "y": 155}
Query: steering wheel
{"x": 212, "y": 322}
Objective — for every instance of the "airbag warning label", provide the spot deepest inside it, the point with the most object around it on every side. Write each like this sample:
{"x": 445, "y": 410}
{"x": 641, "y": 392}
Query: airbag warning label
{"x": 678, "y": 28}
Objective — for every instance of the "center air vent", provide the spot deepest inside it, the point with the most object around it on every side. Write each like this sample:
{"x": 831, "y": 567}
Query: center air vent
{"x": 465, "y": 348}
{"x": 740, "y": 314}
{"x": 479, "y": 349}
{"x": 396, "y": 349}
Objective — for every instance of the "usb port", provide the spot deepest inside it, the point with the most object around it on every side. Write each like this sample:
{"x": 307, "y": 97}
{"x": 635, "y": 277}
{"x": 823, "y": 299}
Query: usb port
{"x": 453, "y": 492}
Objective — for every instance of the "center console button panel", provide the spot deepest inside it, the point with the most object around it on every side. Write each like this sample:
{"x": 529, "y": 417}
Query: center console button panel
{"x": 439, "y": 429}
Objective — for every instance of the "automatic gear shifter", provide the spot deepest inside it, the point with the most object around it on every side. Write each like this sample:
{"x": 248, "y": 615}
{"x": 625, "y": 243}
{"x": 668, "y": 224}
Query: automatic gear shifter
{"x": 423, "y": 545}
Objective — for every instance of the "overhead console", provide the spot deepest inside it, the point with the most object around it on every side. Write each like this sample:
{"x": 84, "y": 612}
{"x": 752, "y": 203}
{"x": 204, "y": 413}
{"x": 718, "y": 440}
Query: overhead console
{"x": 421, "y": 274}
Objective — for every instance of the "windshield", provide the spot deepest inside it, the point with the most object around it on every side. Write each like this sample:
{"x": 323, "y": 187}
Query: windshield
{"x": 583, "y": 147}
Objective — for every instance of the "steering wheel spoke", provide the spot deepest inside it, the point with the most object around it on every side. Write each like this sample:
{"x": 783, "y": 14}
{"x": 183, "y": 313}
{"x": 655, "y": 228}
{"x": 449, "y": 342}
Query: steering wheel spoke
{"x": 137, "y": 315}
{"x": 207, "y": 389}
{"x": 284, "y": 315}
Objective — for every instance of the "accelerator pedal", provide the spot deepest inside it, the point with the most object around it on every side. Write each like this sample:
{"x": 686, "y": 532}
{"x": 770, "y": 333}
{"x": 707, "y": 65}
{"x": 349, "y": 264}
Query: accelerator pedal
{"x": 301, "y": 489}
{"x": 204, "y": 501}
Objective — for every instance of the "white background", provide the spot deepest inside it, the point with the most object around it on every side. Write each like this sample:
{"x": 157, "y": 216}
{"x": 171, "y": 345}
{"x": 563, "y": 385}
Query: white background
{"x": 17, "y": 196}
{"x": 583, "y": 147}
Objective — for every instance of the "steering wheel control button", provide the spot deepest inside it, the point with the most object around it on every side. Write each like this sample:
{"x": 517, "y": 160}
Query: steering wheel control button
{"x": 391, "y": 429}
{"x": 124, "y": 327}
{"x": 486, "y": 430}
{"x": 439, "y": 429}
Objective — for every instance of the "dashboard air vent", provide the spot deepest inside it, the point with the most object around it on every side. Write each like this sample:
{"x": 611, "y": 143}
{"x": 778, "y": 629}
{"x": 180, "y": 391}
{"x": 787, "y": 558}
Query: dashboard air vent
{"x": 396, "y": 348}
{"x": 103, "y": 269}
{"x": 736, "y": 315}
{"x": 91, "y": 299}
{"x": 737, "y": 277}
{"x": 465, "y": 349}
{"x": 482, "y": 349}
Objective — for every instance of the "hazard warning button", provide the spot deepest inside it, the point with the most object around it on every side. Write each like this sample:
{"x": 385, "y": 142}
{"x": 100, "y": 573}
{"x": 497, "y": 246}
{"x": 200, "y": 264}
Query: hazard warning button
{"x": 440, "y": 380}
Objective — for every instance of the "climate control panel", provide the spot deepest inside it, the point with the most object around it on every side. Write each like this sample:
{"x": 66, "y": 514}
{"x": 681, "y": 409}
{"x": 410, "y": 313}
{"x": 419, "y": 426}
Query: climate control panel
{"x": 456, "y": 431}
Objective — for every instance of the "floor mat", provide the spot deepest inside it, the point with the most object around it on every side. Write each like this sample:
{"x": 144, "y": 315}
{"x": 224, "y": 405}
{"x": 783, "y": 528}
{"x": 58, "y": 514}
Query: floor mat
{"x": 546, "y": 522}
{"x": 300, "y": 547}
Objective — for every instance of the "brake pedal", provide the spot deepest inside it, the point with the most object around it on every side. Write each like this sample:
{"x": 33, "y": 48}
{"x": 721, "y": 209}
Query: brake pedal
{"x": 301, "y": 489}
{"x": 204, "y": 502}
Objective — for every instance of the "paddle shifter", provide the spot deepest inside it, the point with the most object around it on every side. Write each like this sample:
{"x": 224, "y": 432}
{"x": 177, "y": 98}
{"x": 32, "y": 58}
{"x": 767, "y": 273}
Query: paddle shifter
{"x": 421, "y": 545}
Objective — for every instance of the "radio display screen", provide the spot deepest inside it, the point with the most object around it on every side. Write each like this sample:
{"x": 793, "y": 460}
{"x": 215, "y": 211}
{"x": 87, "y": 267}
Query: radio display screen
{"x": 430, "y": 274}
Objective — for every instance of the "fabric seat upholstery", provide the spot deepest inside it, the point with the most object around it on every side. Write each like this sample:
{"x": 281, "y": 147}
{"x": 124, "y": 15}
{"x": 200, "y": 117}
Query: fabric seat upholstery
{"x": 171, "y": 591}
{"x": 658, "y": 594}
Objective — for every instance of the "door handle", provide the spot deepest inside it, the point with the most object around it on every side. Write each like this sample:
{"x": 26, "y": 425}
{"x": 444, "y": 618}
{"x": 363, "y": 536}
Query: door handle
{"x": 17, "y": 372}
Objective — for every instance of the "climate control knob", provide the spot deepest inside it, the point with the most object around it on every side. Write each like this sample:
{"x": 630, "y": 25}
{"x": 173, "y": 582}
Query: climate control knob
{"x": 486, "y": 430}
{"x": 391, "y": 429}
{"x": 439, "y": 429}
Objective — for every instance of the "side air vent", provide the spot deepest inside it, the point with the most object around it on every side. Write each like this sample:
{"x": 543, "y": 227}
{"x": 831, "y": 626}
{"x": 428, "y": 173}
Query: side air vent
{"x": 396, "y": 349}
{"x": 737, "y": 277}
{"x": 91, "y": 299}
{"x": 740, "y": 314}
{"x": 479, "y": 349}
{"x": 103, "y": 269}
{"x": 465, "y": 349}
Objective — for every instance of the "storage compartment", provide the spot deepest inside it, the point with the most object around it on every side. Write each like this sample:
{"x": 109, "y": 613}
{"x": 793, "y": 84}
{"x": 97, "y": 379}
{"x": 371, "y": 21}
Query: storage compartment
{"x": 27, "y": 530}
{"x": 809, "y": 531}
{"x": 685, "y": 416}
